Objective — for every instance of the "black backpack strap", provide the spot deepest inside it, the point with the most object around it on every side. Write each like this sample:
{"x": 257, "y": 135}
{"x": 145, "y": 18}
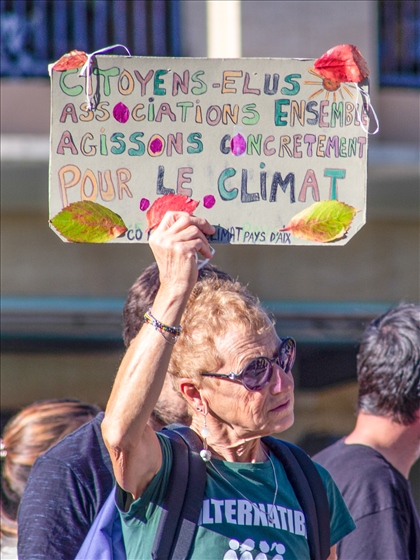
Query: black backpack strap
{"x": 183, "y": 504}
{"x": 189, "y": 436}
{"x": 310, "y": 492}
{"x": 194, "y": 496}
{"x": 319, "y": 494}
{"x": 172, "y": 505}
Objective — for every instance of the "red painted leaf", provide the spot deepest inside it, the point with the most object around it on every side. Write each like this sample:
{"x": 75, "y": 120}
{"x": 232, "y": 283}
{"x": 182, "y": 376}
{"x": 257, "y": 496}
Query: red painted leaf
{"x": 161, "y": 205}
{"x": 343, "y": 63}
{"x": 88, "y": 222}
{"x": 73, "y": 59}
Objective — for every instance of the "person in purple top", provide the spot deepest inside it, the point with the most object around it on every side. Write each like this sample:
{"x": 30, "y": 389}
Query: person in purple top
{"x": 372, "y": 464}
{"x": 69, "y": 484}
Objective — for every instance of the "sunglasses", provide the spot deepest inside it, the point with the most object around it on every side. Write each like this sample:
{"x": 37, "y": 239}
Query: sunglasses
{"x": 257, "y": 373}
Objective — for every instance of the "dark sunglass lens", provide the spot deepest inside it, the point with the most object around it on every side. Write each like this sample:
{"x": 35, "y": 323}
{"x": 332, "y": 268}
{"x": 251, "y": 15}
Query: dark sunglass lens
{"x": 255, "y": 373}
{"x": 287, "y": 355}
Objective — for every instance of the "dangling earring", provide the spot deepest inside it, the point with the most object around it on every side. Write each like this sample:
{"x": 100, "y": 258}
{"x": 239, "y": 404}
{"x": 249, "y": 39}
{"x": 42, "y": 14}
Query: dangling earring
{"x": 205, "y": 454}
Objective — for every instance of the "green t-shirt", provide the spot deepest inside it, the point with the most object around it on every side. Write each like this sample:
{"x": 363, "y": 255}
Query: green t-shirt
{"x": 232, "y": 527}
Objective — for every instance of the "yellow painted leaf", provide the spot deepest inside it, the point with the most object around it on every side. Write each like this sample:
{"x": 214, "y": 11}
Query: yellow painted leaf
{"x": 88, "y": 222}
{"x": 324, "y": 221}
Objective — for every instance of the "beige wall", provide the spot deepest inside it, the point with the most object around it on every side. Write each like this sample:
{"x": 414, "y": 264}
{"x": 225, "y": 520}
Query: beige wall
{"x": 380, "y": 264}
{"x": 32, "y": 97}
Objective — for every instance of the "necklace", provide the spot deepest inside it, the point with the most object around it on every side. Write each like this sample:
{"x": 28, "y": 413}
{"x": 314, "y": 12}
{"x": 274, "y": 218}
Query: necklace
{"x": 273, "y": 505}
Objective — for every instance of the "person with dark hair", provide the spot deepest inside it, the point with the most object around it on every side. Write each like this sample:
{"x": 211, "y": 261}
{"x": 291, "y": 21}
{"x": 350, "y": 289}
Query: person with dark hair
{"x": 70, "y": 483}
{"x": 26, "y": 436}
{"x": 372, "y": 464}
{"x": 145, "y": 289}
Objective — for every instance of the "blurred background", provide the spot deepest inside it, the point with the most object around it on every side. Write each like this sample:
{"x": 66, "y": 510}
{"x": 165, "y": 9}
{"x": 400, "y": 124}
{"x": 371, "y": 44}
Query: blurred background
{"x": 62, "y": 303}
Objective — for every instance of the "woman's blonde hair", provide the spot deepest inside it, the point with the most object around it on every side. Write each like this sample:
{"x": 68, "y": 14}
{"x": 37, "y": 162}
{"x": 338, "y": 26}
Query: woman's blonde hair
{"x": 215, "y": 308}
{"x": 28, "y": 435}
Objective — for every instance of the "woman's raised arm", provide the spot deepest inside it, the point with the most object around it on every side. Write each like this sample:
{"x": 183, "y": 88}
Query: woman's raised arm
{"x": 133, "y": 446}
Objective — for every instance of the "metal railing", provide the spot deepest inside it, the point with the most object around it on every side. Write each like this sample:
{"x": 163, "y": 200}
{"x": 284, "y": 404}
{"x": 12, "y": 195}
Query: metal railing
{"x": 327, "y": 332}
{"x": 35, "y": 33}
{"x": 56, "y": 319}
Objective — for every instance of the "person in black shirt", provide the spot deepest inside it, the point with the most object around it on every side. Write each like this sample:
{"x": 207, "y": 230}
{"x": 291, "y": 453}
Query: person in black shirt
{"x": 372, "y": 464}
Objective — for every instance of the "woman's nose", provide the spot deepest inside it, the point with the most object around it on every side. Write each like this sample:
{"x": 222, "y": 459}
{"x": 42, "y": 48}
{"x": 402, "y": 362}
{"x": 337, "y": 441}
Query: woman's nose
{"x": 280, "y": 381}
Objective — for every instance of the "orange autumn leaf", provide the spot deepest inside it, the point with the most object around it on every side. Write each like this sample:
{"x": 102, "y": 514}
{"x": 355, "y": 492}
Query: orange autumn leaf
{"x": 73, "y": 59}
{"x": 167, "y": 202}
{"x": 343, "y": 63}
{"x": 325, "y": 221}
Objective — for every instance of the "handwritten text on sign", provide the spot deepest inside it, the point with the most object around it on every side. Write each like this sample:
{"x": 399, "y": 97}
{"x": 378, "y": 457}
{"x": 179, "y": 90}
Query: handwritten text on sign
{"x": 255, "y": 141}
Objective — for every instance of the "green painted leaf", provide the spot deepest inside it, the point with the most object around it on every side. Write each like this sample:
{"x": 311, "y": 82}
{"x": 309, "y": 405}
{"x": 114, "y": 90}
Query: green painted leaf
{"x": 324, "y": 221}
{"x": 88, "y": 222}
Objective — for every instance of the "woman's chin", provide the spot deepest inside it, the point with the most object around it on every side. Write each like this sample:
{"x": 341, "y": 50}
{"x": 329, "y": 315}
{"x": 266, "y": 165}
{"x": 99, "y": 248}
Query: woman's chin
{"x": 284, "y": 423}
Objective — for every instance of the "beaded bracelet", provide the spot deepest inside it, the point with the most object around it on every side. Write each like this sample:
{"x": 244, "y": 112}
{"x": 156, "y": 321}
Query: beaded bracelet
{"x": 164, "y": 330}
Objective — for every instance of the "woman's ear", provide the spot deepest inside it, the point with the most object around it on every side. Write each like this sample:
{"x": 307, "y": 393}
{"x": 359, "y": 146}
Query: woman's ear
{"x": 191, "y": 393}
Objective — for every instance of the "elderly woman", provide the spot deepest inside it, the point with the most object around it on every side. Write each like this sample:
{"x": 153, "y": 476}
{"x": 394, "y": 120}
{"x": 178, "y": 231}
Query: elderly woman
{"x": 225, "y": 358}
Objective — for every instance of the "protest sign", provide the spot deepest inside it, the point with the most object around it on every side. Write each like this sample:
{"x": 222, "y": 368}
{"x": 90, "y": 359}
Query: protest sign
{"x": 260, "y": 144}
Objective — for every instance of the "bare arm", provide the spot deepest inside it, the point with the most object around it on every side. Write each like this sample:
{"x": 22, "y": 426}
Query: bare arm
{"x": 133, "y": 445}
{"x": 333, "y": 553}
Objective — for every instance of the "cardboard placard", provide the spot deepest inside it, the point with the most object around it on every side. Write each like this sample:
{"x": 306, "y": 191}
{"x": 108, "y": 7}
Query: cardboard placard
{"x": 255, "y": 141}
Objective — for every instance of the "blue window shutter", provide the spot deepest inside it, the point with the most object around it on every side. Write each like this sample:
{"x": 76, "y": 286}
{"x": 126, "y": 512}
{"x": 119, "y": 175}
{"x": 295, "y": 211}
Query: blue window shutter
{"x": 399, "y": 43}
{"x": 38, "y": 32}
